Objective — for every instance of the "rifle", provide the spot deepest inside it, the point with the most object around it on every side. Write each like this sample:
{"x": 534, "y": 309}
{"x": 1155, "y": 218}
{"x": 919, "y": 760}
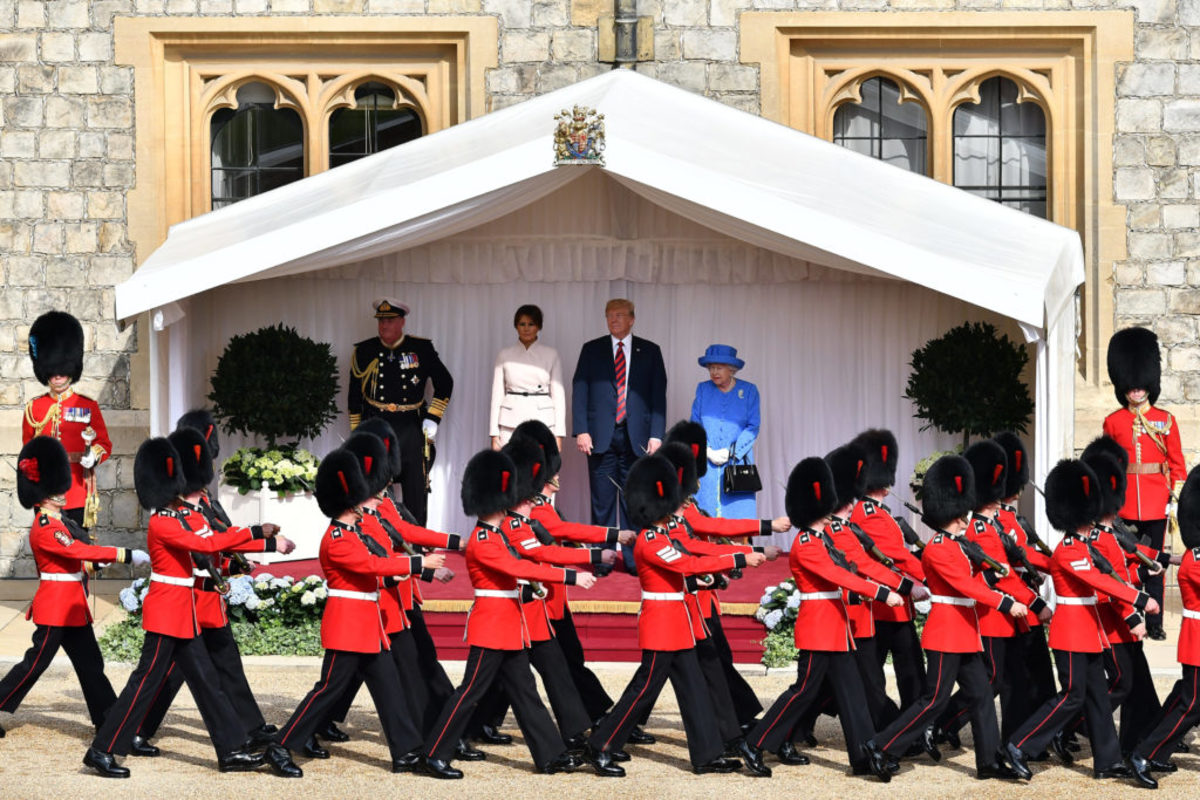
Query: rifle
{"x": 1125, "y": 539}
{"x": 977, "y": 556}
{"x": 911, "y": 537}
{"x": 1103, "y": 564}
{"x": 869, "y": 545}
{"x": 1018, "y": 558}
{"x": 211, "y": 508}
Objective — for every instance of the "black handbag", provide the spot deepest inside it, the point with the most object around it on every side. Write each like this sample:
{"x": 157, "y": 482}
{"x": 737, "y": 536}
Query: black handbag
{"x": 741, "y": 478}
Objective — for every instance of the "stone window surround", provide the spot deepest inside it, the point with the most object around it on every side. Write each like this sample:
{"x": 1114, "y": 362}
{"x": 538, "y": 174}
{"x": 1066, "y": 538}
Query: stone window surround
{"x": 811, "y": 62}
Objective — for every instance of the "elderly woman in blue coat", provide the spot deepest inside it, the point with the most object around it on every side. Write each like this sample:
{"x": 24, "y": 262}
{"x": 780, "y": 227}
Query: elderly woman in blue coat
{"x": 727, "y": 407}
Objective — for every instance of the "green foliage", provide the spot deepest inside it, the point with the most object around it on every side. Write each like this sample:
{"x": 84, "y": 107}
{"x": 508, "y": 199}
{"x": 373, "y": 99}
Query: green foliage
{"x": 276, "y": 384}
{"x": 779, "y": 648}
{"x": 123, "y": 641}
{"x": 286, "y": 470}
{"x": 968, "y": 381}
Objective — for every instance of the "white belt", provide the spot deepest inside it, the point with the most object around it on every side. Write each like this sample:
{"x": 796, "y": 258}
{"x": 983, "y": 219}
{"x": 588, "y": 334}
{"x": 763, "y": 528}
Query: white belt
{"x": 662, "y": 595}
{"x": 346, "y": 594}
{"x": 512, "y": 593}
{"x": 1076, "y": 601}
{"x": 967, "y": 602}
{"x": 1189, "y": 614}
{"x": 820, "y": 595}
{"x": 171, "y": 579}
{"x": 64, "y": 577}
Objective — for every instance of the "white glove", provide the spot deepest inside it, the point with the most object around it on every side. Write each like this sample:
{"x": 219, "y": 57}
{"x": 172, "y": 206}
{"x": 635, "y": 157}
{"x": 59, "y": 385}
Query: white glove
{"x": 139, "y": 557}
{"x": 88, "y": 459}
{"x": 718, "y": 457}
{"x": 430, "y": 428}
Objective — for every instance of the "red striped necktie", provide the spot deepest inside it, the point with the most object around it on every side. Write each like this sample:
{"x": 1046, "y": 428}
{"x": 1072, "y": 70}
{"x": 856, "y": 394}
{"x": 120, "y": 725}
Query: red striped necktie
{"x": 619, "y": 365}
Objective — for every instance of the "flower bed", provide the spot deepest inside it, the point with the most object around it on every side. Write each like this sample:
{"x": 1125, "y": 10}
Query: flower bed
{"x": 283, "y": 470}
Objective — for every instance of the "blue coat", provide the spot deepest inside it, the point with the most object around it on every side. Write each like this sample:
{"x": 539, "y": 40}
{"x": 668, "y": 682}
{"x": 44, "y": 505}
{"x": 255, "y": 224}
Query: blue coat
{"x": 731, "y": 421}
{"x": 594, "y": 394}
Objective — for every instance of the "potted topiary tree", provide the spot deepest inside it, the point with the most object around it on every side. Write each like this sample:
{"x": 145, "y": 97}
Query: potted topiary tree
{"x": 279, "y": 387}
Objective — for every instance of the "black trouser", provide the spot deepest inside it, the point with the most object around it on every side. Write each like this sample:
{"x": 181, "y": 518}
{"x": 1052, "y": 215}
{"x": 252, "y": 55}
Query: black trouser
{"x": 945, "y": 669}
{"x": 714, "y": 677}
{"x": 591, "y": 691}
{"x": 484, "y": 668}
{"x": 994, "y": 658}
{"x": 1029, "y": 679}
{"x": 408, "y": 670}
{"x": 79, "y": 642}
{"x": 1141, "y": 708}
{"x": 159, "y": 653}
{"x": 603, "y": 470}
{"x": 695, "y": 706}
{"x": 569, "y": 712}
{"x": 437, "y": 682}
{"x": 227, "y": 661}
{"x": 1156, "y": 530}
{"x": 840, "y": 673}
{"x": 908, "y": 660}
{"x": 745, "y": 701}
{"x": 339, "y": 670}
{"x": 880, "y": 707}
{"x": 1178, "y": 716}
{"x": 1084, "y": 688}
{"x": 407, "y": 425}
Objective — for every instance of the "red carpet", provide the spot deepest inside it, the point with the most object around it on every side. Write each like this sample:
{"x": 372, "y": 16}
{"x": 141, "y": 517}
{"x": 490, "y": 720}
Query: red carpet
{"x": 603, "y": 615}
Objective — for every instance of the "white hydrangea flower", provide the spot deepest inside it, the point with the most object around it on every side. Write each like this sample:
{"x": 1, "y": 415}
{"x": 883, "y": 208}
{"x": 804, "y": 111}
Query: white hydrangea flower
{"x": 129, "y": 599}
{"x": 766, "y": 598}
{"x": 771, "y": 620}
{"x": 321, "y": 593}
{"x": 265, "y": 577}
{"x": 794, "y": 600}
{"x": 270, "y": 601}
{"x": 767, "y": 591}
{"x": 308, "y": 599}
{"x": 758, "y": 615}
{"x": 313, "y": 580}
{"x": 252, "y": 602}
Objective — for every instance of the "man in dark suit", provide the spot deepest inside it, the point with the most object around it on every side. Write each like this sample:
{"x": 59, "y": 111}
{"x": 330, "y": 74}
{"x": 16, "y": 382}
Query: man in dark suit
{"x": 618, "y": 410}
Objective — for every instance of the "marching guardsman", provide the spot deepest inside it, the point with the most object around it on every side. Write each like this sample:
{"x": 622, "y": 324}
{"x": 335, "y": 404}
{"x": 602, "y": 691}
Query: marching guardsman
{"x": 388, "y": 374}
{"x": 1153, "y": 753}
{"x": 170, "y": 621}
{"x": 59, "y": 608}
{"x": 56, "y": 349}
{"x": 823, "y": 631}
{"x": 210, "y": 571}
{"x": 1151, "y": 438}
{"x": 1073, "y": 503}
{"x": 496, "y": 631}
{"x": 953, "y": 647}
{"x": 895, "y": 631}
{"x": 353, "y": 629}
{"x": 667, "y": 628}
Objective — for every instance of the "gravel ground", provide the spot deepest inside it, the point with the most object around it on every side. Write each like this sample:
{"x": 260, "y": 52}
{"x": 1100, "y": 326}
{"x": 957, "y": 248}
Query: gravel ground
{"x": 48, "y": 735}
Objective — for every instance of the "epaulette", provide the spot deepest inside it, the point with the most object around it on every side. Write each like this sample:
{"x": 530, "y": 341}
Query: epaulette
{"x": 336, "y": 533}
{"x": 980, "y": 526}
{"x": 649, "y": 534}
{"x": 166, "y": 512}
{"x": 937, "y": 539}
{"x": 481, "y": 535}
{"x": 43, "y": 519}
{"x": 514, "y": 523}
{"x": 802, "y": 537}
{"x": 868, "y": 507}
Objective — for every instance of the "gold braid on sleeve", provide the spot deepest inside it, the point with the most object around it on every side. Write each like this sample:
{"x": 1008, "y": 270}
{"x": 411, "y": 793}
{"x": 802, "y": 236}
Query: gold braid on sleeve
{"x": 367, "y": 376}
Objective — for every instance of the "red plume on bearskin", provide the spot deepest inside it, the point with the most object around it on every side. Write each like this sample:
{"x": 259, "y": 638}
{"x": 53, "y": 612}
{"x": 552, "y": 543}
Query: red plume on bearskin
{"x": 202, "y": 420}
{"x": 155, "y": 476}
{"x": 1017, "y": 474}
{"x": 1111, "y": 481}
{"x": 537, "y": 430}
{"x": 811, "y": 495}
{"x": 948, "y": 491}
{"x": 1071, "y": 499}
{"x": 696, "y": 438}
{"x": 652, "y": 491}
{"x": 195, "y": 458}
{"x": 42, "y": 471}
{"x": 391, "y": 445}
{"x": 882, "y": 454}
{"x": 372, "y": 457}
{"x": 849, "y": 479}
{"x": 680, "y": 455}
{"x": 527, "y": 457}
{"x": 486, "y": 484}
{"x": 988, "y": 464}
{"x": 340, "y": 483}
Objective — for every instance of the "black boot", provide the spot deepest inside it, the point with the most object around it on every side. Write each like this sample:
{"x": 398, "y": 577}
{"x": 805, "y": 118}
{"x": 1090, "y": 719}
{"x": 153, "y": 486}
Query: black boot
{"x": 929, "y": 743}
{"x": 752, "y": 757}
{"x": 1117, "y": 770}
{"x": 104, "y": 763}
{"x": 332, "y": 733}
{"x": 1141, "y": 772}
{"x": 639, "y": 736}
{"x": 438, "y": 768}
{"x": 788, "y": 754}
{"x": 1161, "y": 766}
{"x": 877, "y": 760}
{"x": 140, "y": 747}
{"x": 465, "y": 752}
{"x": 602, "y": 763}
{"x": 240, "y": 761}
{"x": 1017, "y": 759}
{"x": 999, "y": 770}
{"x": 312, "y": 749}
{"x": 717, "y": 765}
{"x": 409, "y": 762}
{"x": 281, "y": 762}
{"x": 489, "y": 735}
{"x": 1060, "y": 745}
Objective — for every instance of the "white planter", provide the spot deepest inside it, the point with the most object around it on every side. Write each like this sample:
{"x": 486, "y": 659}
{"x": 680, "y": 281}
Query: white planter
{"x": 298, "y": 517}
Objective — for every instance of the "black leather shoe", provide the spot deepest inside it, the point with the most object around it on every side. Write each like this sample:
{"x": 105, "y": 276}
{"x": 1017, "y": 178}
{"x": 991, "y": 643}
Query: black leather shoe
{"x": 929, "y": 743}
{"x": 602, "y": 763}
{"x": 877, "y": 761}
{"x": 639, "y": 736}
{"x": 440, "y": 769}
{"x": 576, "y": 743}
{"x": 1182, "y": 747}
{"x": 1141, "y": 772}
{"x": 465, "y": 752}
{"x": 262, "y": 736}
{"x": 1113, "y": 771}
{"x": 1161, "y": 766}
{"x": 893, "y": 764}
{"x": 1061, "y": 748}
{"x": 948, "y": 736}
{"x": 332, "y": 733}
{"x": 312, "y": 749}
{"x": 142, "y": 748}
{"x": 1017, "y": 759}
{"x": 240, "y": 761}
{"x": 409, "y": 762}
{"x": 564, "y": 763}
{"x": 999, "y": 770}
{"x": 717, "y": 765}
{"x": 489, "y": 735}
{"x": 752, "y": 757}
{"x": 1157, "y": 634}
{"x": 281, "y": 761}
{"x": 104, "y": 763}
{"x": 619, "y": 756}
{"x": 788, "y": 754}
{"x": 1072, "y": 741}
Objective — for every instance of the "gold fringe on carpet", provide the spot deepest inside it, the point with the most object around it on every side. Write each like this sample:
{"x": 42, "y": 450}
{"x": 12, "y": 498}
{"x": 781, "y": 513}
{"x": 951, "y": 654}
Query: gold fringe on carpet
{"x": 586, "y": 607}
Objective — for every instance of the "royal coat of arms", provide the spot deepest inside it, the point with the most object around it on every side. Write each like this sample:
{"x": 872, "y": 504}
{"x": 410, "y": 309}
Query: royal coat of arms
{"x": 579, "y": 137}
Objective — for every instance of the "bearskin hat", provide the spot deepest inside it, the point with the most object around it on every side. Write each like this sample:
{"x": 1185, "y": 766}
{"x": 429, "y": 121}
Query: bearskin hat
{"x": 1017, "y": 458}
{"x": 1073, "y": 495}
{"x": 372, "y": 457}
{"x": 340, "y": 483}
{"x": 1111, "y": 478}
{"x": 1109, "y": 447}
{"x": 526, "y": 455}
{"x": 848, "y": 464}
{"x": 882, "y": 455}
{"x": 680, "y": 455}
{"x": 1189, "y": 510}
{"x": 42, "y": 471}
{"x": 195, "y": 459}
{"x": 56, "y": 346}
{"x": 391, "y": 443}
{"x": 536, "y": 429}
{"x": 695, "y": 437}
{"x": 1134, "y": 362}
{"x": 652, "y": 490}
{"x": 489, "y": 484}
{"x": 989, "y": 463}
{"x": 811, "y": 494}
{"x": 948, "y": 492}
{"x": 202, "y": 420}
{"x": 157, "y": 473}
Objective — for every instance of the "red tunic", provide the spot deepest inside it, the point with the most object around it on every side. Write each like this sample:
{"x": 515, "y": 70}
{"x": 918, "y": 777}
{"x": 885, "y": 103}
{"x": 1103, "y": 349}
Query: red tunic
{"x": 408, "y": 590}
{"x": 823, "y": 623}
{"x": 525, "y": 542}
{"x": 876, "y": 519}
{"x": 1189, "y": 589}
{"x": 1117, "y": 616}
{"x": 862, "y": 621}
{"x": 953, "y": 627}
{"x": 66, "y": 418}
{"x": 1076, "y": 627}
{"x": 544, "y": 512}
{"x": 56, "y": 552}
{"x": 211, "y": 609}
{"x": 1147, "y": 493}
{"x": 390, "y": 607}
{"x": 992, "y": 622}
{"x": 713, "y": 527}
{"x": 705, "y": 599}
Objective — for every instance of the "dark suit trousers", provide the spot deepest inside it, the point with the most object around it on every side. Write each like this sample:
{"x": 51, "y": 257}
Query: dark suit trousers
{"x": 745, "y": 701}
{"x": 604, "y": 468}
{"x": 1179, "y": 715}
{"x": 908, "y": 660}
{"x": 79, "y": 642}
{"x": 995, "y": 651}
{"x": 437, "y": 682}
{"x": 591, "y": 691}
{"x": 1141, "y": 708}
{"x": 416, "y": 694}
{"x": 1156, "y": 530}
{"x": 1029, "y": 680}
{"x": 569, "y": 712}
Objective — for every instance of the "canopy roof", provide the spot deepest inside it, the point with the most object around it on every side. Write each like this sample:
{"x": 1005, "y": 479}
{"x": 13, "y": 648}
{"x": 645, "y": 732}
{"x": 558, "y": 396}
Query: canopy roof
{"x": 734, "y": 172}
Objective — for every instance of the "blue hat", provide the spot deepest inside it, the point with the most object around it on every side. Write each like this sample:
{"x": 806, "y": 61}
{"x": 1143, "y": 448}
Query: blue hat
{"x": 721, "y": 354}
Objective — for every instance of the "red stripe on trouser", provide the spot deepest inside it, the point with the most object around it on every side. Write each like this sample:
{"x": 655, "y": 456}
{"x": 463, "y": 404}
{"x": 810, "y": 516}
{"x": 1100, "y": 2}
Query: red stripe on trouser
{"x": 161, "y": 685}
{"x": 457, "y": 705}
{"x": 149, "y": 672}
{"x": 308, "y": 705}
{"x": 782, "y": 711}
{"x": 1182, "y": 717}
{"x": 1053, "y": 711}
{"x": 633, "y": 705}
{"x": 32, "y": 669}
{"x": 936, "y": 688}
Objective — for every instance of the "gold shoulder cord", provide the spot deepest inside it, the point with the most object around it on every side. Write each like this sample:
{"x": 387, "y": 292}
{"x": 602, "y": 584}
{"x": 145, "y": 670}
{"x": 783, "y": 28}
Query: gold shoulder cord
{"x": 367, "y": 376}
{"x": 53, "y": 415}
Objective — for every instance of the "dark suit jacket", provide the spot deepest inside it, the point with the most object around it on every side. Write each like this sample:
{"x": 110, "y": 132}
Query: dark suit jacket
{"x": 594, "y": 393}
